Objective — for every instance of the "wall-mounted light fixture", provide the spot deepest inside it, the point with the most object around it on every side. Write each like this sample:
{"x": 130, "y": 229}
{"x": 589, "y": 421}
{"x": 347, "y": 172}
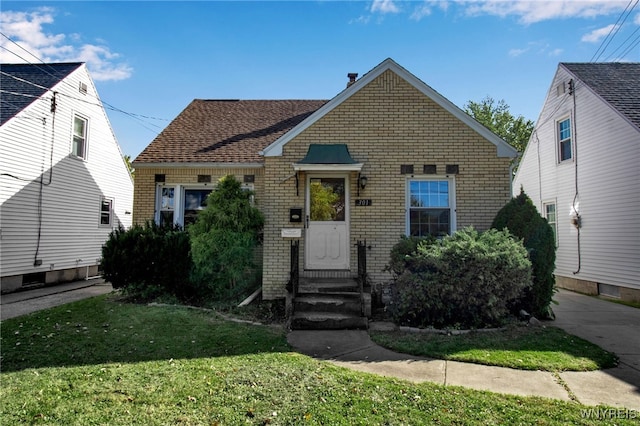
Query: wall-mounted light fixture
{"x": 362, "y": 182}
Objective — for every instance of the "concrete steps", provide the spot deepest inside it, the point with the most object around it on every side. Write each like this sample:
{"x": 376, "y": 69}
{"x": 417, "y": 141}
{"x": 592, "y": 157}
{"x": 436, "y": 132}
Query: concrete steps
{"x": 328, "y": 304}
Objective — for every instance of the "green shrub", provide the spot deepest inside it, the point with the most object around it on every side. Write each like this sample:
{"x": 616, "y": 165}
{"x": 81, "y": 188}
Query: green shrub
{"x": 522, "y": 220}
{"x": 223, "y": 240}
{"x": 466, "y": 280}
{"x": 148, "y": 261}
{"x": 402, "y": 251}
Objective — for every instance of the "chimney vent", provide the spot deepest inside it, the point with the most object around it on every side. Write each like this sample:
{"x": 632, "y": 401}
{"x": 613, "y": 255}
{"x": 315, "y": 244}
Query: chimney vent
{"x": 352, "y": 78}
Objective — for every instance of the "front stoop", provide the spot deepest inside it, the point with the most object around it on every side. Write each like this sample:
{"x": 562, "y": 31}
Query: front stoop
{"x": 328, "y": 304}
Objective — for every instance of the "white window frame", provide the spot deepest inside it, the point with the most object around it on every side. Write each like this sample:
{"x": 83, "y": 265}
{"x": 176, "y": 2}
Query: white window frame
{"x": 452, "y": 200}
{"x": 109, "y": 201}
{"x": 179, "y": 197}
{"x": 561, "y": 141}
{"x": 553, "y": 223}
{"x": 84, "y": 137}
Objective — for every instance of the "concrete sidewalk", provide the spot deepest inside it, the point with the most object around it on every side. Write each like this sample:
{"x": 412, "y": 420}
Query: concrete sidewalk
{"x": 28, "y": 301}
{"x": 612, "y": 326}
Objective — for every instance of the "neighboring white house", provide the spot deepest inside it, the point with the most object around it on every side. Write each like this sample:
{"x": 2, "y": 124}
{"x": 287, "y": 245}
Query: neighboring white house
{"x": 582, "y": 170}
{"x": 64, "y": 184}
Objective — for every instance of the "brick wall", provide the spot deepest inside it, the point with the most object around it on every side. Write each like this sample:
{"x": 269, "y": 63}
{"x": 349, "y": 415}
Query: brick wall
{"x": 386, "y": 124}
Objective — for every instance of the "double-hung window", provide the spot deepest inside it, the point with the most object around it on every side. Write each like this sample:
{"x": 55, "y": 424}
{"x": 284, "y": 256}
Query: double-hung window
{"x": 564, "y": 140}
{"x": 552, "y": 218}
{"x": 106, "y": 209}
{"x": 430, "y": 207}
{"x": 79, "y": 143}
{"x": 167, "y": 203}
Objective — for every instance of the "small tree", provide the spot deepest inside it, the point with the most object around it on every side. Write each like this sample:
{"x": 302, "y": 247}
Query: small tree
{"x": 223, "y": 239}
{"x": 522, "y": 220}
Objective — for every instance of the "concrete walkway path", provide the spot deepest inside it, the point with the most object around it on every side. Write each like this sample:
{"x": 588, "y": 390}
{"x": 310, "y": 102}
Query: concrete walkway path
{"x": 27, "y": 301}
{"x": 612, "y": 326}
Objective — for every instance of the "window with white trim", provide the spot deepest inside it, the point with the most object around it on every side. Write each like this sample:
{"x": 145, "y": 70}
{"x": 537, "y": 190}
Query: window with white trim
{"x": 552, "y": 218}
{"x": 106, "y": 212}
{"x": 79, "y": 143}
{"x": 181, "y": 204}
{"x": 430, "y": 207}
{"x": 564, "y": 140}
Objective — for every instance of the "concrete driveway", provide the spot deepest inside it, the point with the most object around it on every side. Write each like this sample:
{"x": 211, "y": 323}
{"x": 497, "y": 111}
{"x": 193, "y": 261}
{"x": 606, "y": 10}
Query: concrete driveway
{"x": 613, "y": 327}
{"x": 25, "y": 302}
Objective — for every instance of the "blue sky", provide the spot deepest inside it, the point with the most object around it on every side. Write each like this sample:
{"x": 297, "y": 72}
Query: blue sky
{"x": 150, "y": 59}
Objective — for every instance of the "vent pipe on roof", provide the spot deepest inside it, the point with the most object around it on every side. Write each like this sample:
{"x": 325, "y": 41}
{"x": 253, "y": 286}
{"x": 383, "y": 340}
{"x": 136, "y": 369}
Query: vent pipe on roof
{"x": 352, "y": 78}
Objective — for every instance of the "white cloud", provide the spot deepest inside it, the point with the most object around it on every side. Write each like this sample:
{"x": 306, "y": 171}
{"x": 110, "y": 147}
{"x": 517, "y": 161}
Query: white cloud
{"x": 598, "y": 34}
{"x": 384, "y": 6}
{"x": 531, "y": 11}
{"x": 637, "y": 19}
{"x": 556, "y": 52}
{"x": 514, "y": 53}
{"x": 420, "y": 12}
{"x": 31, "y": 43}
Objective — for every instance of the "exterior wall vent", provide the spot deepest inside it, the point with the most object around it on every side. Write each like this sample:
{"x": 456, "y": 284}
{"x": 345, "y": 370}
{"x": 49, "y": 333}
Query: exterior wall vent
{"x": 82, "y": 88}
{"x": 429, "y": 169}
{"x": 560, "y": 89}
{"x": 159, "y": 178}
{"x": 204, "y": 178}
{"x": 453, "y": 169}
{"x": 406, "y": 169}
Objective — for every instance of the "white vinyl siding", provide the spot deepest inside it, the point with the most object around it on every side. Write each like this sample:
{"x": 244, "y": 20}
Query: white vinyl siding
{"x": 55, "y": 193}
{"x": 607, "y": 154}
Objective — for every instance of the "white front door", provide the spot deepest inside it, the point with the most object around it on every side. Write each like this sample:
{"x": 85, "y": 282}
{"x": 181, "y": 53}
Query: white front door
{"x": 327, "y": 234}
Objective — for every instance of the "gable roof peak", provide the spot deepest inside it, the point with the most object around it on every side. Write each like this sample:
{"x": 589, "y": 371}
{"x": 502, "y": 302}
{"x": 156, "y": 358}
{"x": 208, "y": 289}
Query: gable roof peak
{"x": 503, "y": 148}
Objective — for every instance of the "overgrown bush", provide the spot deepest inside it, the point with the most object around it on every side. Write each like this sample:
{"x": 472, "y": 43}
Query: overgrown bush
{"x": 466, "y": 280}
{"x": 148, "y": 261}
{"x": 223, "y": 240}
{"x": 522, "y": 220}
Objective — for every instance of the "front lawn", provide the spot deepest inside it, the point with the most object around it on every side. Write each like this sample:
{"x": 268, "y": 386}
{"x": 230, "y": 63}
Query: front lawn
{"x": 524, "y": 348}
{"x": 100, "y": 361}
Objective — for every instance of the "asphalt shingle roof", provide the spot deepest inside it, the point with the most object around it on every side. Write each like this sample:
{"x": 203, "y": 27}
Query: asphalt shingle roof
{"x": 226, "y": 131}
{"x": 30, "y": 82}
{"x": 616, "y": 83}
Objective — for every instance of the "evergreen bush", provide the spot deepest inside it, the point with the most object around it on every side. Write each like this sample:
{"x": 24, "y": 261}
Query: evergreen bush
{"x": 148, "y": 261}
{"x": 401, "y": 253}
{"x": 223, "y": 240}
{"x": 465, "y": 280}
{"x": 522, "y": 219}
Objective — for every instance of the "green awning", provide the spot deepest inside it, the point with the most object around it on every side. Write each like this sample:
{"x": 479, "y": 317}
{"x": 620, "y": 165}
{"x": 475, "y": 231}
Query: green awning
{"x": 328, "y": 157}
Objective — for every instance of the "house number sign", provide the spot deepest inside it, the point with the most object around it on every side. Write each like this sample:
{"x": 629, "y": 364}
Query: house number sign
{"x": 363, "y": 202}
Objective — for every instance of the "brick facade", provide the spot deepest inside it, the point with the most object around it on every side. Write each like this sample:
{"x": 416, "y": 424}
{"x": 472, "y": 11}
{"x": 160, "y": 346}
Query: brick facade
{"x": 386, "y": 124}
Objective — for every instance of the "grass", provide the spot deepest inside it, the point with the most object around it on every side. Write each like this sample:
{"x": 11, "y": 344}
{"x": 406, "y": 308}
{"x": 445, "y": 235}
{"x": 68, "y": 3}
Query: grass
{"x": 100, "y": 361}
{"x": 524, "y": 348}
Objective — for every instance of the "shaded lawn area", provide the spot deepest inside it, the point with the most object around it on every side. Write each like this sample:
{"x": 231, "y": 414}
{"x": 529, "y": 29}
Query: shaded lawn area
{"x": 524, "y": 348}
{"x": 99, "y": 361}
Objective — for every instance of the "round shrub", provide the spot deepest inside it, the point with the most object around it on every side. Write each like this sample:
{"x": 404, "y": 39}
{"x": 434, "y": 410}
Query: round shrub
{"x": 465, "y": 280}
{"x": 522, "y": 220}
